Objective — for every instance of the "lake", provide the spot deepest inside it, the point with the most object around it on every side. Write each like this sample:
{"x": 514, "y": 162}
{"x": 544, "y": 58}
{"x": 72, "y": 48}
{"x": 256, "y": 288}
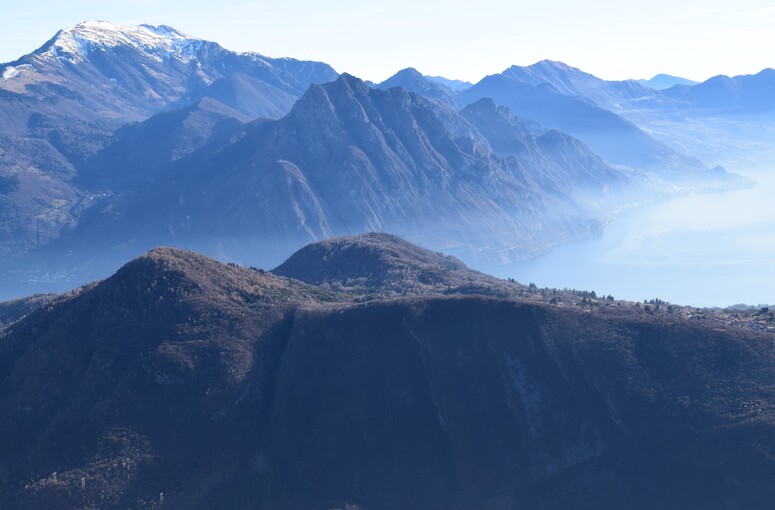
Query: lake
{"x": 701, "y": 250}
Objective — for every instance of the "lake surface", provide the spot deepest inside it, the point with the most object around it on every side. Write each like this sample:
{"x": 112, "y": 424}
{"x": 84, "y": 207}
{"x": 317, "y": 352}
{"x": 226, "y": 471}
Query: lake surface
{"x": 701, "y": 250}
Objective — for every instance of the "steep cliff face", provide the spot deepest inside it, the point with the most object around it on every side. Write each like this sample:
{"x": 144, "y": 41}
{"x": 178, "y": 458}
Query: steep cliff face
{"x": 231, "y": 387}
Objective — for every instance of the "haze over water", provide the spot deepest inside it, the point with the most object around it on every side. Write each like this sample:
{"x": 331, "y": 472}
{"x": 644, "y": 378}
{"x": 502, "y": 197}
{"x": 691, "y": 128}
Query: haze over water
{"x": 701, "y": 250}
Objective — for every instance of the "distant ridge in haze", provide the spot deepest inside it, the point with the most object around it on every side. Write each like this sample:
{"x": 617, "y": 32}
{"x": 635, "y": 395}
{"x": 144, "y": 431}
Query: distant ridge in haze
{"x": 665, "y": 81}
{"x": 750, "y": 94}
{"x": 609, "y": 135}
{"x": 413, "y": 81}
{"x": 571, "y": 81}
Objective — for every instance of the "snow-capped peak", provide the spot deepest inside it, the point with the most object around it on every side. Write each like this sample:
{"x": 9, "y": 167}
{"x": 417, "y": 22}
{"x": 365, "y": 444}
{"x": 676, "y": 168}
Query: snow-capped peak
{"x": 157, "y": 42}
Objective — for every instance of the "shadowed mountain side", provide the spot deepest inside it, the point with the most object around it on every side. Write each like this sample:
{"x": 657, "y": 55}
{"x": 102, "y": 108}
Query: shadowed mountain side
{"x": 131, "y": 334}
{"x": 492, "y": 404}
{"x": 37, "y": 197}
{"x": 142, "y": 154}
{"x": 250, "y": 96}
{"x": 11, "y": 311}
{"x": 230, "y": 387}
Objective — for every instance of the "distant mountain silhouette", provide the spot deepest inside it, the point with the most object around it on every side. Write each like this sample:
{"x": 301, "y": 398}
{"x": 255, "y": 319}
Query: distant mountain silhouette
{"x": 665, "y": 81}
{"x": 575, "y": 82}
{"x": 456, "y": 85}
{"x": 184, "y": 383}
{"x": 410, "y": 79}
{"x": 749, "y": 94}
{"x": 615, "y": 139}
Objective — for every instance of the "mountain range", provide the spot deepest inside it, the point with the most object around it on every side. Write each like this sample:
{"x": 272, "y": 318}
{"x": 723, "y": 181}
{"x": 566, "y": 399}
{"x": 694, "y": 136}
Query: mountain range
{"x": 365, "y": 372}
{"x": 348, "y": 159}
{"x": 747, "y": 94}
{"x": 116, "y": 139}
{"x": 567, "y": 99}
{"x": 687, "y": 117}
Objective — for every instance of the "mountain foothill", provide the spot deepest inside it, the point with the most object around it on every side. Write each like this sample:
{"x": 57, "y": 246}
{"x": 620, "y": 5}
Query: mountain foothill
{"x": 367, "y": 372}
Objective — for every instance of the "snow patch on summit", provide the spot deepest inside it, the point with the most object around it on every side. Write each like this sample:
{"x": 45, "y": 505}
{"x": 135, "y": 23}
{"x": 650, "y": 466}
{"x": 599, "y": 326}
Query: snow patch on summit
{"x": 156, "y": 42}
{"x": 10, "y": 72}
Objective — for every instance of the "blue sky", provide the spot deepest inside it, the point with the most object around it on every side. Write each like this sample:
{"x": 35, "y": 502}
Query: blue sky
{"x": 457, "y": 39}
